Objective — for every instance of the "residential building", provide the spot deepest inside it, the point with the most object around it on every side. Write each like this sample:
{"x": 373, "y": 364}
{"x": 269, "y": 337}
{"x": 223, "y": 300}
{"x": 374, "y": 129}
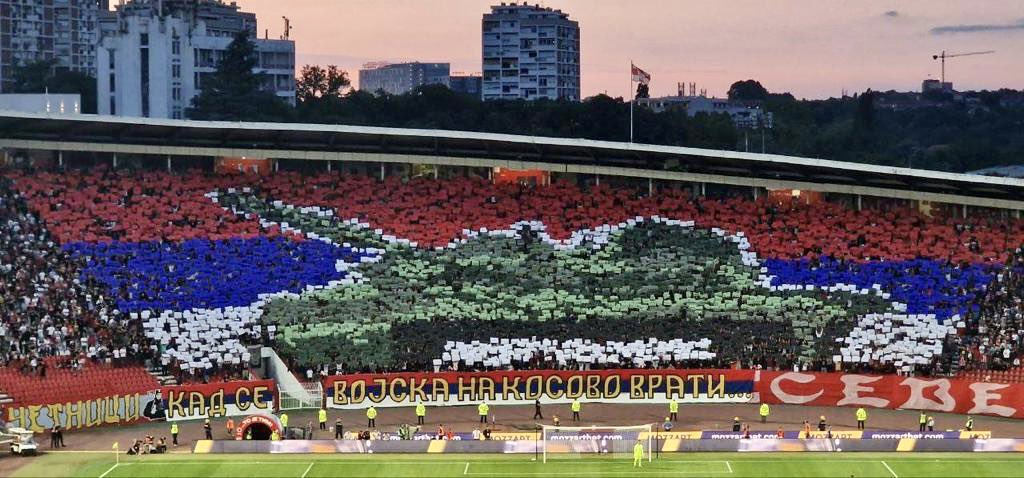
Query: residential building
{"x": 466, "y": 84}
{"x": 37, "y": 30}
{"x": 743, "y": 115}
{"x": 152, "y": 63}
{"x": 530, "y": 52}
{"x": 401, "y": 78}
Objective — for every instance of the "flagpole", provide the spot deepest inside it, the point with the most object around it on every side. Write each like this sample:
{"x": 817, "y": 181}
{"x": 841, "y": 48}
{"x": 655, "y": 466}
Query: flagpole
{"x": 631, "y": 99}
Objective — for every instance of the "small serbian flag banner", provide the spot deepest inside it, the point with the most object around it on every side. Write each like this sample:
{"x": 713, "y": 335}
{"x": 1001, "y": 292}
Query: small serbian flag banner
{"x": 640, "y": 76}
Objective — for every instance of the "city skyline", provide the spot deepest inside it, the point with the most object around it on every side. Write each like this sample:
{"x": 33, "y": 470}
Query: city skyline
{"x": 888, "y": 44}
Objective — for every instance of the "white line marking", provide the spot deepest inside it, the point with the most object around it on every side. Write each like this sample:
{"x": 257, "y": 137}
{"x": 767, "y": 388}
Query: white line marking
{"x": 727, "y": 465}
{"x": 466, "y": 471}
{"x": 887, "y": 467}
{"x": 112, "y": 467}
{"x": 310, "y": 467}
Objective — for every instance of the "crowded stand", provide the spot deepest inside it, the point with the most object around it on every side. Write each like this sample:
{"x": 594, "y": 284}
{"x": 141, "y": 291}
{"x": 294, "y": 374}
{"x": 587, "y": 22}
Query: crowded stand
{"x": 342, "y": 272}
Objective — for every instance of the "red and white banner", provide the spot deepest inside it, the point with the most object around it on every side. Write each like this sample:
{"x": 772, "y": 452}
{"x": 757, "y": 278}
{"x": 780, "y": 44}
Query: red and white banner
{"x": 891, "y": 391}
{"x": 640, "y": 76}
{"x": 548, "y": 386}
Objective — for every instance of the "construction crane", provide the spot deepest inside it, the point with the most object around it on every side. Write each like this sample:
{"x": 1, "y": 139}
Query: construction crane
{"x": 944, "y": 55}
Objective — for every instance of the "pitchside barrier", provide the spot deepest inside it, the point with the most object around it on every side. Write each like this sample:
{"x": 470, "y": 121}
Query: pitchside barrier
{"x": 686, "y": 386}
{"x": 667, "y": 446}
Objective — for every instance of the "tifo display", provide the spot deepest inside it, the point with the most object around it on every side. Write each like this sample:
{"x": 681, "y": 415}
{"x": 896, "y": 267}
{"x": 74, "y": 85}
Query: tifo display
{"x": 342, "y": 273}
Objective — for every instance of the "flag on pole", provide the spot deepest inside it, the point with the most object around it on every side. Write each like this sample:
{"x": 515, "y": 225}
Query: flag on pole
{"x": 640, "y": 76}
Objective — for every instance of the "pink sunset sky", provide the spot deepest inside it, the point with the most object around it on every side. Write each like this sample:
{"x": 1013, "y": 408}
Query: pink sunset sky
{"x": 812, "y": 48}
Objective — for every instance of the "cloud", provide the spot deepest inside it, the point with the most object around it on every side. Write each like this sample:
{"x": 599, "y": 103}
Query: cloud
{"x": 978, "y": 28}
{"x": 891, "y": 13}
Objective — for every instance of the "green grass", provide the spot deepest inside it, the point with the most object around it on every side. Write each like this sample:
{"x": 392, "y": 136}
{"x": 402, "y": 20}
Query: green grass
{"x": 725, "y": 465}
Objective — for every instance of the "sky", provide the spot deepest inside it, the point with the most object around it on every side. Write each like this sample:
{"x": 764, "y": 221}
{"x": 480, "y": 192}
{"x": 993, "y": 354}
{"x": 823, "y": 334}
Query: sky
{"x": 810, "y": 48}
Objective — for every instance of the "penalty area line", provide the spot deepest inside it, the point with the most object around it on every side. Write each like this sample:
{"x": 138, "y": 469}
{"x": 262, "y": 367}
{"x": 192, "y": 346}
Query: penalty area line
{"x": 112, "y": 468}
{"x": 887, "y": 467}
{"x": 310, "y": 467}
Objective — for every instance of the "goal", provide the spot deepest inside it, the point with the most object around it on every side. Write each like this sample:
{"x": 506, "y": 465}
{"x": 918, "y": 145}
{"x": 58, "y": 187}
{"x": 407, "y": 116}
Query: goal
{"x": 614, "y": 441}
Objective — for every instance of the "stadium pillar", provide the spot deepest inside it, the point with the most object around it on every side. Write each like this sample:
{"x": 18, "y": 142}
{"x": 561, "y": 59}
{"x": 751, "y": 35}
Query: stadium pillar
{"x": 860, "y": 204}
{"x": 115, "y": 160}
{"x": 597, "y": 180}
{"x": 381, "y": 172}
{"x": 328, "y": 166}
{"x": 755, "y": 192}
{"x": 277, "y": 164}
{"x": 703, "y": 189}
{"x": 60, "y": 158}
{"x": 490, "y": 174}
{"x": 965, "y": 211}
{"x": 168, "y": 163}
{"x": 650, "y": 187}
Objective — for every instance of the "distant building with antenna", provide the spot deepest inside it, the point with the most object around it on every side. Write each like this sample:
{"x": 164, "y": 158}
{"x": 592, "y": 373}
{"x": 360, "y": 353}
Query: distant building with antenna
{"x": 154, "y": 56}
{"x": 743, "y": 115}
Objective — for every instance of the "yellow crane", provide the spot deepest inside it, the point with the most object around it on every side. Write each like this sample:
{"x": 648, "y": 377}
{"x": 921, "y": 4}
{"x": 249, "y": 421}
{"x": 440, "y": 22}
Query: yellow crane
{"x": 942, "y": 56}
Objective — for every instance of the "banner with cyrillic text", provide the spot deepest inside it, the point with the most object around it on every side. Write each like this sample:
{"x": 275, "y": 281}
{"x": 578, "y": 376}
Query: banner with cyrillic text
{"x": 547, "y": 386}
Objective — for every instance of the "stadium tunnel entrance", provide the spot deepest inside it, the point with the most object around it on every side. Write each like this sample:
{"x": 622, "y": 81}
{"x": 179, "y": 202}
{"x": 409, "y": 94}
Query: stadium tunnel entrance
{"x": 258, "y": 427}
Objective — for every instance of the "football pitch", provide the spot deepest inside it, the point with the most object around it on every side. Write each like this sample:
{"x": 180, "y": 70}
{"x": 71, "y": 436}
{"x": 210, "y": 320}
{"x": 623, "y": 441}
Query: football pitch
{"x": 725, "y": 465}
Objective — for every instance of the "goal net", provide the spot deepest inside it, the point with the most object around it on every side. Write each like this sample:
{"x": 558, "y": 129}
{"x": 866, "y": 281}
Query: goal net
{"x": 614, "y": 441}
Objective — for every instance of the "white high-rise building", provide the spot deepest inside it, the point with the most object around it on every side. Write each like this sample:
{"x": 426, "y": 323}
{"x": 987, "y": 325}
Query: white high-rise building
{"x": 38, "y": 30}
{"x": 530, "y": 52}
{"x": 152, "y": 64}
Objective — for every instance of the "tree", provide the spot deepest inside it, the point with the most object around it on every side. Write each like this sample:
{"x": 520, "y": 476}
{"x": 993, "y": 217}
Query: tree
{"x": 748, "y": 90}
{"x": 642, "y": 91}
{"x": 316, "y": 82}
{"x": 47, "y": 76}
{"x": 233, "y": 93}
{"x": 865, "y": 117}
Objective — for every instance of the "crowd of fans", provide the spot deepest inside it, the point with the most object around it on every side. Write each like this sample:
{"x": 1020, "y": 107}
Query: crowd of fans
{"x": 993, "y": 337}
{"x": 45, "y": 309}
{"x": 48, "y": 307}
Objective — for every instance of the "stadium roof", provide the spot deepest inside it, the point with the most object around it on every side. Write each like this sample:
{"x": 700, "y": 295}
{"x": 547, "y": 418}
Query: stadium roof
{"x": 181, "y": 138}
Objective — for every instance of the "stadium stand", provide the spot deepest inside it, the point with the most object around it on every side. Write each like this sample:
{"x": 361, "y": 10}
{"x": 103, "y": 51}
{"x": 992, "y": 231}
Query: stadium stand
{"x": 343, "y": 271}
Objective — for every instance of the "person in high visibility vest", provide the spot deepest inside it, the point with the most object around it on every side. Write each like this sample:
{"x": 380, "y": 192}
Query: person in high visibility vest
{"x": 764, "y": 412}
{"x": 174, "y": 434}
{"x": 322, "y": 418}
{"x": 275, "y": 436}
{"x": 969, "y": 426}
{"x": 421, "y": 413}
{"x": 483, "y": 410}
{"x": 638, "y": 455}
{"x": 923, "y": 421}
{"x": 673, "y": 410}
{"x": 862, "y": 418}
{"x": 230, "y": 426}
{"x": 371, "y": 417}
{"x": 284, "y": 420}
{"x": 576, "y": 409}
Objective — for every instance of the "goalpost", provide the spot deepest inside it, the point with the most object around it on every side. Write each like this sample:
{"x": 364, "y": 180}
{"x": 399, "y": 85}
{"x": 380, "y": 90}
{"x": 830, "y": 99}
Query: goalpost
{"x": 605, "y": 440}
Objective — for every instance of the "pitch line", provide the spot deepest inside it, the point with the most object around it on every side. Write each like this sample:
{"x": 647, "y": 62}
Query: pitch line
{"x": 466, "y": 470}
{"x": 112, "y": 467}
{"x": 310, "y": 467}
{"x": 727, "y": 465}
{"x": 887, "y": 467}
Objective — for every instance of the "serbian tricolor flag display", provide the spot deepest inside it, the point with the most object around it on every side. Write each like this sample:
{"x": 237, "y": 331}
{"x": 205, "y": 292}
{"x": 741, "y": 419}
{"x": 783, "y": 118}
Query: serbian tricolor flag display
{"x": 640, "y": 76}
